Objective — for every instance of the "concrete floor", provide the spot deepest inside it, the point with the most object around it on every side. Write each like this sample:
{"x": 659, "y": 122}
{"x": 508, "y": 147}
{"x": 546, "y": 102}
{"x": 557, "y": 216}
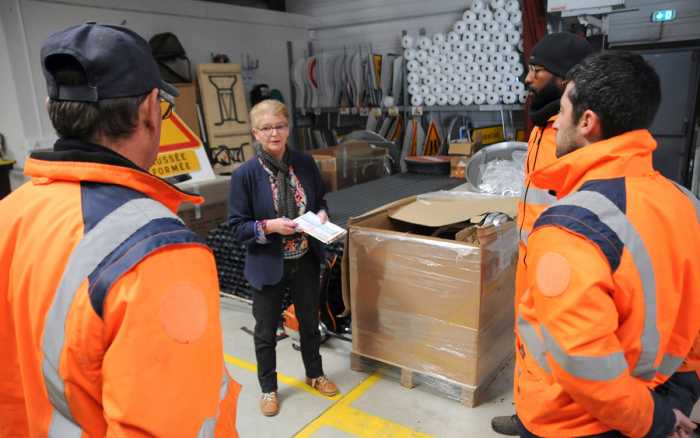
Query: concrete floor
{"x": 369, "y": 405}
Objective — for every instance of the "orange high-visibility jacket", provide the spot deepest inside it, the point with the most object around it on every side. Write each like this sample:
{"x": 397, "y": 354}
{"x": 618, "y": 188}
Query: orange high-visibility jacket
{"x": 109, "y": 307}
{"x": 613, "y": 288}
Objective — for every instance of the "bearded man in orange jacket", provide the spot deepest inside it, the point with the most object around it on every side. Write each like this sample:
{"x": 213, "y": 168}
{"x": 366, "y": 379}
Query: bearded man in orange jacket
{"x": 608, "y": 320}
{"x": 109, "y": 305}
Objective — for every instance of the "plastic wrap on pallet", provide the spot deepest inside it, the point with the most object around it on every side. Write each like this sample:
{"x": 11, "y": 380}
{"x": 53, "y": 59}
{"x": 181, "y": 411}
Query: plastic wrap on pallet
{"x": 441, "y": 308}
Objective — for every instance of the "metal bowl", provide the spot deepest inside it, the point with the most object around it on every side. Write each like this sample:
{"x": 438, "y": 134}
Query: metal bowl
{"x": 498, "y": 151}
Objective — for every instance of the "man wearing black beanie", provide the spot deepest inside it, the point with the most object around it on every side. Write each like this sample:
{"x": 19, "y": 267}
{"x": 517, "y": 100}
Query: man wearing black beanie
{"x": 552, "y": 57}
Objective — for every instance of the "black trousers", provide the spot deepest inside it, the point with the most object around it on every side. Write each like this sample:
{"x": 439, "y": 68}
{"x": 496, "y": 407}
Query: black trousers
{"x": 302, "y": 277}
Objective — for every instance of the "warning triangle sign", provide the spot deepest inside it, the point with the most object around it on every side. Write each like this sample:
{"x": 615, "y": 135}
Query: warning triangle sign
{"x": 175, "y": 134}
{"x": 433, "y": 142}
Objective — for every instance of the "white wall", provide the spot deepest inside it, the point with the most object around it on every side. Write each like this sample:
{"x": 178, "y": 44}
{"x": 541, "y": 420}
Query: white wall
{"x": 376, "y": 22}
{"x": 203, "y": 28}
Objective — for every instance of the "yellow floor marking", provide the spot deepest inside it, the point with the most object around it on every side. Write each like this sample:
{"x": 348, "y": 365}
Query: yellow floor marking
{"x": 287, "y": 380}
{"x": 344, "y": 417}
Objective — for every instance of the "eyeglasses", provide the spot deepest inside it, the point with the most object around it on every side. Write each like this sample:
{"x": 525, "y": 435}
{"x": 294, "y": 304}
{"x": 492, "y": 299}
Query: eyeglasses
{"x": 167, "y": 104}
{"x": 534, "y": 69}
{"x": 267, "y": 130}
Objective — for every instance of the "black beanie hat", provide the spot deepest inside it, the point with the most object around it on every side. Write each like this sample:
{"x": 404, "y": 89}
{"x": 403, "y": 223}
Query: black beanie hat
{"x": 559, "y": 52}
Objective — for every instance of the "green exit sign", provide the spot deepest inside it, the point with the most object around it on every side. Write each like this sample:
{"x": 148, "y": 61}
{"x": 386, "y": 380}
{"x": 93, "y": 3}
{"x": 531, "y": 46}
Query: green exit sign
{"x": 663, "y": 15}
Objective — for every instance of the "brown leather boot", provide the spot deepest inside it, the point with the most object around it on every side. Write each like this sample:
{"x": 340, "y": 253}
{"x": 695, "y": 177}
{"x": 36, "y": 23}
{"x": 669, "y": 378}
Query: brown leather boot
{"x": 323, "y": 385}
{"x": 269, "y": 404}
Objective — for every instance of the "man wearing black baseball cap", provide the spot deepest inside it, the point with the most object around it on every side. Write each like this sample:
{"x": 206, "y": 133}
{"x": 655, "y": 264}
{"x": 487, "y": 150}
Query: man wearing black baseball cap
{"x": 552, "y": 57}
{"x": 109, "y": 305}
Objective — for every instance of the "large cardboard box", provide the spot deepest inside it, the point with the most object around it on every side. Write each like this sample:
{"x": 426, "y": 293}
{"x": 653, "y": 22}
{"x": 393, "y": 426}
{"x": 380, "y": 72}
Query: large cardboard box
{"x": 186, "y": 106}
{"x": 203, "y": 218}
{"x": 356, "y": 162}
{"x": 329, "y": 171}
{"x": 440, "y": 307}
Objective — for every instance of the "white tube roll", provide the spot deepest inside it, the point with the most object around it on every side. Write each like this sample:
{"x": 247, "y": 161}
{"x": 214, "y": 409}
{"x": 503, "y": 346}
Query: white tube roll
{"x": 417, "y": 100}
{"x": 467, "y": 99}
{"x": 517, "y": 69}
{"x": 505, "y": 27}
{"x": 475, "y": 47}
{"x": 407, "y": 42}
{"x": 434, "y": 51}
{"x": 497, "y": 4}
{"x": 499, "y": 38}
{"x": 410, "y": 54}
{"x": 422, "y": 56}
{"x": 511, "y": 56}
{"x": 424, "y": 90}
{"x": 466, "y": 58}
{"x": 423, "y": 71}
{"x": 453, "y": 99}
{"x": 520, "y": 46}
{"x": 517, "y": 87}
{"x": 490, "y": 48}
{"x": 442, "y": 60}
{"x": 512, "y": 6}
{"x": 435, "y": 89}
{"x": 509, "y": 98}
{"x": 485, "y": 16}
{"x": 510, "y": 79}
{"x": 473, "y": 68}
{"x": 492, "y": 98}
{"x": 445, "y": 48}
{"x": 484, "y": 37}
{"x": 515, "y": 17}
{"x": 428, "y": 80}
{"x": 460, "y": 68}
{"x": 495, "y": 58}
{"x": 492, "y": 27}
{"x": 461, "y": 88}
{"x": 512, "y": 36}
{"x": 478, "y": 5}
{"x": 434, "y": 69}
{"x": 481, "y": 58}
{"x": 479, "y": 77}
{"x": 430, "y": 100}
{"x": 472, "y": 87}
{"x": 485, "y": 87}
{"x": 442, "y": 79}
{"x": 461, "y": 27}
{"x": 523, "y": 98}
{"x": 439, "y": 38}
{"x": 455, "y": 79}
{"x": 448, "y": 88}
{"x": 488, "y": 68}
{"x": 469, "y": 16}
{"x": 453, "y": 37}
{"x": 453, "y": 58}
{"x": 469, "y": 37}
{"x": 459, "y": 47}
{"x": 501, "y": 15}
{"x": 424, "y": 42}
{"x": 479, "y": 98}
{"x": 447, "y": 69}
{"x": 466, "y": 78}
{"x": 413, "y": 77}
{"x": 412, "y": 65}
{"x": 442, "y": 100}
{"x": 504, "y": 47}
{"x": 413, "y": 89}
{"x": 503, "y": 68}
{"x": 495, "y": 78}
{"x": 500, "y": 89}
{"x": 476, "y": 27}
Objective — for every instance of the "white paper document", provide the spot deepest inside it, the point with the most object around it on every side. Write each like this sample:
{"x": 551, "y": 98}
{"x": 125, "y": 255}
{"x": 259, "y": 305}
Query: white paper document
{"x": 327, "y": 233}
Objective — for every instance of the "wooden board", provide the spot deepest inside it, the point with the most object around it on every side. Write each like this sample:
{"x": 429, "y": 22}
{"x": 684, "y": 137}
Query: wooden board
{"x": 230, "y": 152}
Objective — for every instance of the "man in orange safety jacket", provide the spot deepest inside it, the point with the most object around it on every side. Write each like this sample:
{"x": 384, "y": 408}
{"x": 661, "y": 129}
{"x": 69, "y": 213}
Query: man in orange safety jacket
{"x": 109, "y": 305}
{"x": 552, "y": 57}
{"x": 613, "y": 276}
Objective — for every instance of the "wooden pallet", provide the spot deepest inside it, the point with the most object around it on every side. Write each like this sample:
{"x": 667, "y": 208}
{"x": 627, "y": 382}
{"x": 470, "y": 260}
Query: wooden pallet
{"x": 468, "y": 395}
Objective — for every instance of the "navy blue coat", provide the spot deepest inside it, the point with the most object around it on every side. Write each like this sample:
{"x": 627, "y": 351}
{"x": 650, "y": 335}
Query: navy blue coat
{"x": 250, "y": 199}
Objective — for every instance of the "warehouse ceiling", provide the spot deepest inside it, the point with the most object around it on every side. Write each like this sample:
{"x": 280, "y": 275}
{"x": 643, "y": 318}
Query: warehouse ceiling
{"x": 275, "y": 5}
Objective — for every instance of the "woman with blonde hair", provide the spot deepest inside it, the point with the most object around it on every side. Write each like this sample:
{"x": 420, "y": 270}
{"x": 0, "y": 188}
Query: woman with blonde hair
{"x": 266, "y": 194}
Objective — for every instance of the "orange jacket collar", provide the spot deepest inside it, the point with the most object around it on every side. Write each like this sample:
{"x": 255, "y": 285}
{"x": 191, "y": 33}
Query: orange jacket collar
{"x": 628, "y": 154}
{"x": 141, "y": 181}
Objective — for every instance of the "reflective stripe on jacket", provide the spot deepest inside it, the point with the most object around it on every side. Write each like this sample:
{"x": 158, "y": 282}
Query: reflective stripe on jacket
{"x": 612, "y": 288}
{"x": 110, "y": 309}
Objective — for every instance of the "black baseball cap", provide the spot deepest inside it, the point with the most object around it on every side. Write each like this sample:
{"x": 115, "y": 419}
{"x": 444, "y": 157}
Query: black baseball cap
{"x": 559, "y": 52}
{"x": 116, "y": 61}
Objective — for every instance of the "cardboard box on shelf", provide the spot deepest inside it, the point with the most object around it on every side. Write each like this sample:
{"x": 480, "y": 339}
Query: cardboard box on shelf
{"x": 186, "y": 106}
{"x": 329, "y": 172}
{"x": 463, "y": 148}
{"x": 436, "y": 306}
{"x": 356, "y": 162}
{"x": 203, "y": 218}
